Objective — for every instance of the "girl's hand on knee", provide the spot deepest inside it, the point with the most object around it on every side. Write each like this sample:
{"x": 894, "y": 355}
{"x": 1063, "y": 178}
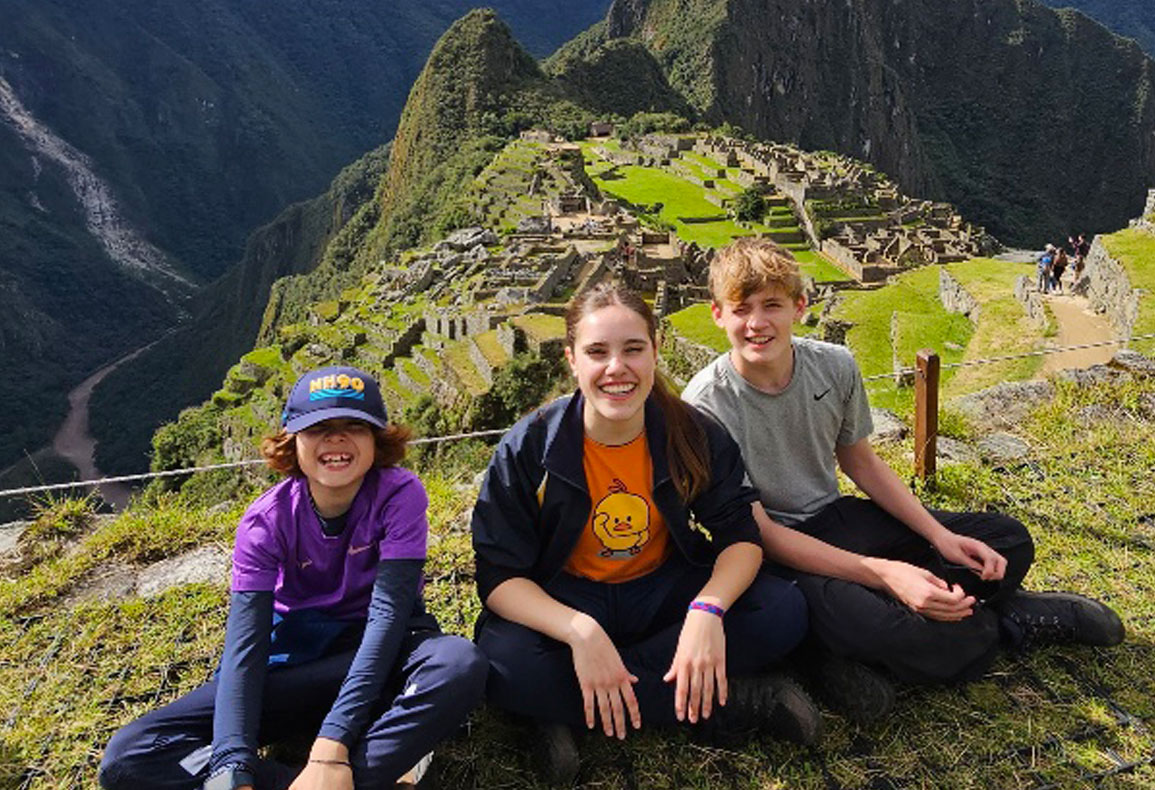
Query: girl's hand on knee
{"x": 606, "y": 685}
{"x": 699, "y": 666}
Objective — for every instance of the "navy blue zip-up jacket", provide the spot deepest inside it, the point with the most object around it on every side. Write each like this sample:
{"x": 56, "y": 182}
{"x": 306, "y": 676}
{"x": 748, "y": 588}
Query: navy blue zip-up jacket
{"x": 535, "y": 502}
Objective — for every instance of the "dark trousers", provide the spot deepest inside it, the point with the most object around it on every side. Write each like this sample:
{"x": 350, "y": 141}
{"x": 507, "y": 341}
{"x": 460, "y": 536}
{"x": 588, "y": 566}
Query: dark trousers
{"x": 871, "y": 626}
{"x": 437, "y": 680}
{"x": 533, "y": 675}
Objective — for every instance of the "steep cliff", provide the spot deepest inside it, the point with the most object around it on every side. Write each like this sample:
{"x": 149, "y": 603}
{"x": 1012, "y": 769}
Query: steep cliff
{"x": 198, "y": 122}
{"x": 970, "y": 101}
{"x": 478, "y": 87}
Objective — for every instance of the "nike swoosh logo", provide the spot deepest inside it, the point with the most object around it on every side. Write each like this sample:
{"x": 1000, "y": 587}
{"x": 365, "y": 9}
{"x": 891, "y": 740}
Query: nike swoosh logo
{"x": 304, "y": 564}
{"x": 822, "y": 394}
{"x": 359, "y": 549}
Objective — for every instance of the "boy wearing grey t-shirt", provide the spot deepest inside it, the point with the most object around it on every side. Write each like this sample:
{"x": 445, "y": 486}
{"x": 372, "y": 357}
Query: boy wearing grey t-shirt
{"x": 893, "y": 589}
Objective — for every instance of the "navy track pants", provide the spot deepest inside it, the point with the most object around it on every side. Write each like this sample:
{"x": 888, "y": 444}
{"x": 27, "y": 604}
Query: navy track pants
{"x": 437, "y": 681}
{"x": 533, "y": 675}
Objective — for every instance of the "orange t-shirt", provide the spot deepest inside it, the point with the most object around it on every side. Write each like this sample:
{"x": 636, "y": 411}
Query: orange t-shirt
{"x": 626, "y": 536}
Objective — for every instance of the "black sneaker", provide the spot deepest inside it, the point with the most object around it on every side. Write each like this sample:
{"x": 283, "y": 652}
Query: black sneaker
{"x": 853, "y": 689}
{"x": 771, "y": 705}
{"x": 1033, "y": 618}
{"x": 555, "y": 754}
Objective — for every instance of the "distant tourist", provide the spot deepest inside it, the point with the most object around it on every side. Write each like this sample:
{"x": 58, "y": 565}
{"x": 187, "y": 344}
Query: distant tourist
{"x": 603, "y": 605}
{"x": 1082, "y": 249}
{"x": 1058, "y": 267}
{"x": 327, "y": 635}
{"x": 894, "y": 591}
{"x": 1043, "y": 266}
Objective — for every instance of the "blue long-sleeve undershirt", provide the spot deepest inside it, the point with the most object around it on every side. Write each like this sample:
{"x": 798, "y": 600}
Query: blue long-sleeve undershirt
{"x": 244, "y": 664}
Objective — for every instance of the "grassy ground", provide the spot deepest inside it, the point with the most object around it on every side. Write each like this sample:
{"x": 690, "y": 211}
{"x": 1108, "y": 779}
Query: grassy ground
{"x": 814, "y": 264}
{"x": 679, "y": 198}
{"x": 923, "y": 323}
{"x": 1003, "y": 326}
{"x": 1135, "y": 249}
{"x": 70, "y": 674}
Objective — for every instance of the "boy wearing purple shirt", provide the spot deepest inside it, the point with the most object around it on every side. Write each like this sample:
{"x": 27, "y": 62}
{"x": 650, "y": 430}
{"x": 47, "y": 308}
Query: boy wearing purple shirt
{"x": 327, "y": 634}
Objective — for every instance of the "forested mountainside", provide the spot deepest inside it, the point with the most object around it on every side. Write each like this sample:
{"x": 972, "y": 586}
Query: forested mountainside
{"x": 1132, "y": 18}
{"x": 969, "y": 101}
{"x": 945, "y": 98}
{"x": 184, "y": 126}
{"x": 478, "y": 88}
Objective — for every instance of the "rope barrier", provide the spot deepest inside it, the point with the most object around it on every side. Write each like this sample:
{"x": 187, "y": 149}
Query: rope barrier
{"x": 1006, "y": 357}
{"x": 211, "y": 467}
{"x": 499, "y": 431}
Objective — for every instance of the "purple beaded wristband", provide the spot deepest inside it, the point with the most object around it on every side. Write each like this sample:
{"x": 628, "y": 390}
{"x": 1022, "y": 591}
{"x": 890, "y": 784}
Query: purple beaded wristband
{"x": 707, "y": 607}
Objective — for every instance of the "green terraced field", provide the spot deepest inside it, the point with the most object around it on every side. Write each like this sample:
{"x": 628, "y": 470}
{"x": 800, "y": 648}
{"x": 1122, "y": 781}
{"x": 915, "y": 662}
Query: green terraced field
{"x": 541, "y": 326}
{"x": 1003, "y": 329}
{"x": 490, "y": 348}
{"x": 457, "y": 357}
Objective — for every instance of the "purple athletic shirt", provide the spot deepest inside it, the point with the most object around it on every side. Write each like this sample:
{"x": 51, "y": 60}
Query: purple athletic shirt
{"x": 280, "y": 545}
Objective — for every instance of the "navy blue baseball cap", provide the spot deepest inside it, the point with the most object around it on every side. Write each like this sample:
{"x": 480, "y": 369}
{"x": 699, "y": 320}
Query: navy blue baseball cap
{"x": 329, "y": 393}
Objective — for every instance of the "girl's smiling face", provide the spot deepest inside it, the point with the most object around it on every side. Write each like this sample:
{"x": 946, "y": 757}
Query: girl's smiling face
{"x": 613, "y": 359}
{"x": 334, "y": 456}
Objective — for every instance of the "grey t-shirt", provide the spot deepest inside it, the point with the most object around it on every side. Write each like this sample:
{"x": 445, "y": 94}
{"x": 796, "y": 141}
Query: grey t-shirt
{"x": 788, "y": 439}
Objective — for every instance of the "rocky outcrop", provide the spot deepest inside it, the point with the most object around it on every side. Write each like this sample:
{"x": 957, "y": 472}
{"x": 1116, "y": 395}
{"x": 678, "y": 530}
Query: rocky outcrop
{"x": 1029, "y": 297}
{"x": 1003, "y": 405}
{"x": 1109, "y": 289}
{"x": 955, "y": 298}
{"x": 888, "y": 426}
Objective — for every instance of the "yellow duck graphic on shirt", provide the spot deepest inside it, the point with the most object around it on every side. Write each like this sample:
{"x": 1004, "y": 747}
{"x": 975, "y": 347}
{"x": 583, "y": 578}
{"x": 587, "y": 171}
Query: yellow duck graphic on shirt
{"x": 622, "y": 522}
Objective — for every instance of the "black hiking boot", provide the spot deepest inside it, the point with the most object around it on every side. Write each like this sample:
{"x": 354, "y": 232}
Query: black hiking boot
{"x": 1034, "y": 618}
{"x": 771, "y": 705}
{"x": 555, "y": 754}
{"x": 853, "y": 689}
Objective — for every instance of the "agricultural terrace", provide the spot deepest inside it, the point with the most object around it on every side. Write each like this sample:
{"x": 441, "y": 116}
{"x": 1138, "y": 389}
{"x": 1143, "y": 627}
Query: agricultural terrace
{"x": 684, "y": 206}
{"x": 895, "y": 321}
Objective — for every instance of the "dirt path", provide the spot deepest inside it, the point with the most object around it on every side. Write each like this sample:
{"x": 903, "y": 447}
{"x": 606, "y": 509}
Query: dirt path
{"x": 73, "y": 442}
{"x": 1077, "y": 325}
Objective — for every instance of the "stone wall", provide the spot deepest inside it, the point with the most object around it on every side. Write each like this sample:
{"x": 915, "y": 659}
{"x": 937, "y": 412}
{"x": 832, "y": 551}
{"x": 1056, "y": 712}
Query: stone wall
{"x": 683, "y": 358}
{"x": 1031, "y": 300}
{"x": 405, "y": 342}
{"x": 480, "y": 361}
{"x": 902, "y": 378}
{"x": 955, "y": 298}
{"x": 1109, "y": 289}
{"x": 1147, "y": 219}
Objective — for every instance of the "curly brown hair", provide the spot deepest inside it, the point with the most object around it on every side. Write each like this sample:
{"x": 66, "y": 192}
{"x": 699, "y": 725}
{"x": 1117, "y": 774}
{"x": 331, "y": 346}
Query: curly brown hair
{"x": 280, "y": 449}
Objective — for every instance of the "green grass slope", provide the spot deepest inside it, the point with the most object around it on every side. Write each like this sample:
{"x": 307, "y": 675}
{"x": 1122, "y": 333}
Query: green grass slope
{"x": 922, "y": 322}
{"x": 72, "y": 671}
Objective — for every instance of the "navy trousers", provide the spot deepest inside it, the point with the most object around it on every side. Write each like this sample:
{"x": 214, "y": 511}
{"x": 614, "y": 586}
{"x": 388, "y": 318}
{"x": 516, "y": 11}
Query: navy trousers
{"x": 533, "y": 675}
{"x": 871, "y": 626}
{"x": 437, "y": 680}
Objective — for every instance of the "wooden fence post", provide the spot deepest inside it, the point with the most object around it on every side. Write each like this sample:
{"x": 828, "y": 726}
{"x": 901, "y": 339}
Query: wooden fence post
{"x": 925, "y": 414}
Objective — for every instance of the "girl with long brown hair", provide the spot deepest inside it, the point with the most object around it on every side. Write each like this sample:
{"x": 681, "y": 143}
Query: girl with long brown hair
{"x": 602, "y": 603}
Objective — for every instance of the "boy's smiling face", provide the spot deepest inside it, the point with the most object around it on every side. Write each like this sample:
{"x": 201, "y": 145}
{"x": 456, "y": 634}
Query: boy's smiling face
{"x": 334, "y": 455}
{"x": 760, "y": 328}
